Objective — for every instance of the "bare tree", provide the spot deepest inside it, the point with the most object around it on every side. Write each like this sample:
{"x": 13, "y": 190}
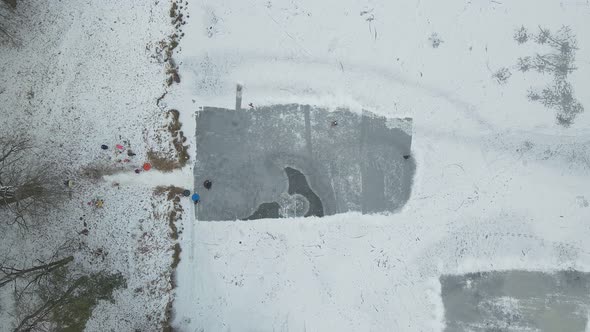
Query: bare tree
{"x": 26, "y": 188}
{"x": 26, "y": 281}
{"x": 55, "y": 294}
{"x": 521, "y": 35}
{"x": 559, "y": 96}
{"x": 558, "y": 62}
{"x": 42, "y": 313}
{"x": 435, "y": 40}
{"x": 11, "y": 271}
{"x": 11, "y": 3}
{"x": 66, "y": 300}
{"x": 502, "y": 75}
{"x": 7, "y": 13}
{"x": 36, "y": 273}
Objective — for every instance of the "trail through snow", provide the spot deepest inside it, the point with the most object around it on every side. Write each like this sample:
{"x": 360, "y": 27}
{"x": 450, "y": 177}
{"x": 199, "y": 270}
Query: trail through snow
{"x": 182, "y": 178}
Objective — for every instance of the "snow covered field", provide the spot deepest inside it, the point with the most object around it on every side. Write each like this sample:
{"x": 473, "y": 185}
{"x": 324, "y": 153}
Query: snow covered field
{"x": 499, "y": 184}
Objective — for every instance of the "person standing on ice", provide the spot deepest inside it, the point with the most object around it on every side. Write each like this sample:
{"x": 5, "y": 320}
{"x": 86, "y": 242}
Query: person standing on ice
{"x": 196, "y": 198}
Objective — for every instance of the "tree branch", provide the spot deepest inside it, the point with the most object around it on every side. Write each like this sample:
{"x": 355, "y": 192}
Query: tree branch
{"x": 11, "y": 273}
{"x": 39, "y": 314}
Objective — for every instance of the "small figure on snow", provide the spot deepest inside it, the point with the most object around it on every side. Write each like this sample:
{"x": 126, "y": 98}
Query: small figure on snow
{"x": 334, "y": 123}
{"x": 104, "y": 147}
{"x": 207, "y": 184}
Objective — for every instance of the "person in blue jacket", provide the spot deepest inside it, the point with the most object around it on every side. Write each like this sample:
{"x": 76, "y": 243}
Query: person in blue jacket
{"x": 195, "y": 197}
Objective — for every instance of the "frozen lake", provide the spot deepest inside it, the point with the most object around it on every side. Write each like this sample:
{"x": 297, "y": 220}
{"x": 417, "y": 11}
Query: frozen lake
{"x": 295, "y": 161}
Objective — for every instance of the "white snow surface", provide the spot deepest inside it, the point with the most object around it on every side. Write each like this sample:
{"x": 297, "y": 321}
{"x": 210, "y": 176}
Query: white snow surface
{"x": 154, "y": 178}
{"x": 499, "y": 185}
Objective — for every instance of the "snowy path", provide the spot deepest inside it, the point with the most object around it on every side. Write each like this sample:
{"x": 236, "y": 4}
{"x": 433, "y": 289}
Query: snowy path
{"x": 182, "y": 178}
